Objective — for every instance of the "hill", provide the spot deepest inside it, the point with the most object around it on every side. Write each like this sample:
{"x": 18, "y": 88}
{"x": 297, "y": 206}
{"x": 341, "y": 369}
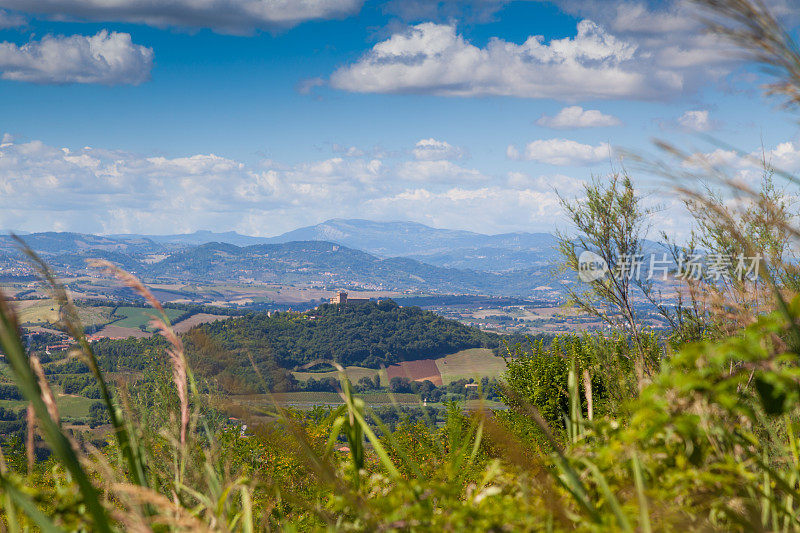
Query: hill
{"x": 367, "y": 334}
{"x": 197, "y": 238}
{"x": 54, "y": 243}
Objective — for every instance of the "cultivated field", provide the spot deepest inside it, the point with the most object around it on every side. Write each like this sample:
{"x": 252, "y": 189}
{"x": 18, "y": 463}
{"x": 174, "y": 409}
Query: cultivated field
{"x": 68, "y": 406}
{"x": 421, "y": 370}
{"x": 195, "y": 320}
{"x": 474, "y": 363}
{"x": 112, "y": 331}
{"x": 135, "y": 317}
{"x": 37, "y": 311}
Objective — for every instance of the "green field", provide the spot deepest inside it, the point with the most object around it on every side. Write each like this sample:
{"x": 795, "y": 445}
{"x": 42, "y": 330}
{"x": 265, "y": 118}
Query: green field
{"x": 47, "y": 312}
{"x": 38, "y": 312}
{"x": 474, "y": 363}
{"x": 76, "y": 407}
{"x": 135, "y": 317}
{"x": 95, "y": 316}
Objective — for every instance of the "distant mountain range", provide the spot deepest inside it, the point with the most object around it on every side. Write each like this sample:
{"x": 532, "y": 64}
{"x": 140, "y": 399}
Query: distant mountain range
{"x": 337, "y": 253}
{"x": 403, "y": 239}
{"x": 440, "y": 247}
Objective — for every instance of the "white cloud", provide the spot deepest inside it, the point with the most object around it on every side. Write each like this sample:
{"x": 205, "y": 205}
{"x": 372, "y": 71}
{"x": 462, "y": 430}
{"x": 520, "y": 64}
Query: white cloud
{"x": 433, "y": 58}
{"x": 563, "y": 152}
{"x": 105, "y": 58}
{"x": 744, "y": 167}
{"x": 578, "y": 117}
{"x": 785, "y": 156}
{"x": 433, "y": 150}
{"x": 626, "y": 61}
{"x": 478, "y": 209}
{"x": 697, "y": 120}
{"x": 436, "y": 171}
{"x": 226, "y": 16}
{"x": 716, "y": 158}
{"x": 564, "y": 184}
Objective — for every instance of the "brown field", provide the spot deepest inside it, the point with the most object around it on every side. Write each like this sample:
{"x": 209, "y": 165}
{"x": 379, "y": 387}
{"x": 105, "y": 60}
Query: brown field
{"x": 195, "y": 320}
{"x": 424, "y": 369}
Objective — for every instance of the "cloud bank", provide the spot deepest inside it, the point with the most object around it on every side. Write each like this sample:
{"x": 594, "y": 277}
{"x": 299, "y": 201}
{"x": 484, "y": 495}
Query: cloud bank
{"x": 45, "y": 188}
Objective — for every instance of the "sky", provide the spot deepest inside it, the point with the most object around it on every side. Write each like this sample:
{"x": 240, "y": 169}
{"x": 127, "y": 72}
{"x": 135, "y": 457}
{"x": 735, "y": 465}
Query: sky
{"x": 261, "y": 116}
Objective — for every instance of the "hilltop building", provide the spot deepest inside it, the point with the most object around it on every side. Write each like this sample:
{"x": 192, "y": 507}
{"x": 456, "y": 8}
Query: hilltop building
{"x": 342, "y": 298}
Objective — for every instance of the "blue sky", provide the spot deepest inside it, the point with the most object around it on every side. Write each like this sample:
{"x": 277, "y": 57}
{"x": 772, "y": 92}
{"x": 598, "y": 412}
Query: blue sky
{"x": 264, "y": 115}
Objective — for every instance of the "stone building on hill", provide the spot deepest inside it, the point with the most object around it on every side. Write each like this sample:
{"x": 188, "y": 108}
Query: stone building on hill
{"x": 342, "y": 298}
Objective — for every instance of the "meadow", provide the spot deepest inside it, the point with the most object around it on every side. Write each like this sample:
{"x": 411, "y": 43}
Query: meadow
{"x": 139, "y": 317}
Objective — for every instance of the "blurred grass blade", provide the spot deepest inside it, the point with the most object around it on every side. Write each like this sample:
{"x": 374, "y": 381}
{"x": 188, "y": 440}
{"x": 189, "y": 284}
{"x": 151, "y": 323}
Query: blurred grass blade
{"x": 600, "y": 479}
{"x": 644, "y": 512}
{"x": 247, "y": 511}
{"x": 28, "y": 384}
{"x": 127, "y": 445}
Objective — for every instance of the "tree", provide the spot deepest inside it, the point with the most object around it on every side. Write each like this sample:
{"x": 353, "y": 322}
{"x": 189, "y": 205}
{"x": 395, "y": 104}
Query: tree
{"x": 758, "y": 224}
{"x": 610, "y": 223}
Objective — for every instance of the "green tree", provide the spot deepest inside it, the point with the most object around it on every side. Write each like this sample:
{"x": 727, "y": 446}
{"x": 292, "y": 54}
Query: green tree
{"x": 611, "y": 222}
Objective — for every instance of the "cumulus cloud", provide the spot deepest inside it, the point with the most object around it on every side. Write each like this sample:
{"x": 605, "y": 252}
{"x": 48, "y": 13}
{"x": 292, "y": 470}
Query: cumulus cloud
{"x": 105, "y": 58}
{"x": 562, "y": 152}
{"x": 434, "y": 58}
{"x": 225, "y": 16}
{"x": 696, "y": 121}
{"x": 578, "y": 117}
{"x": 627, "y": 50}
{"x": 785, "y": 156}
{"x": 433, "y": 150}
